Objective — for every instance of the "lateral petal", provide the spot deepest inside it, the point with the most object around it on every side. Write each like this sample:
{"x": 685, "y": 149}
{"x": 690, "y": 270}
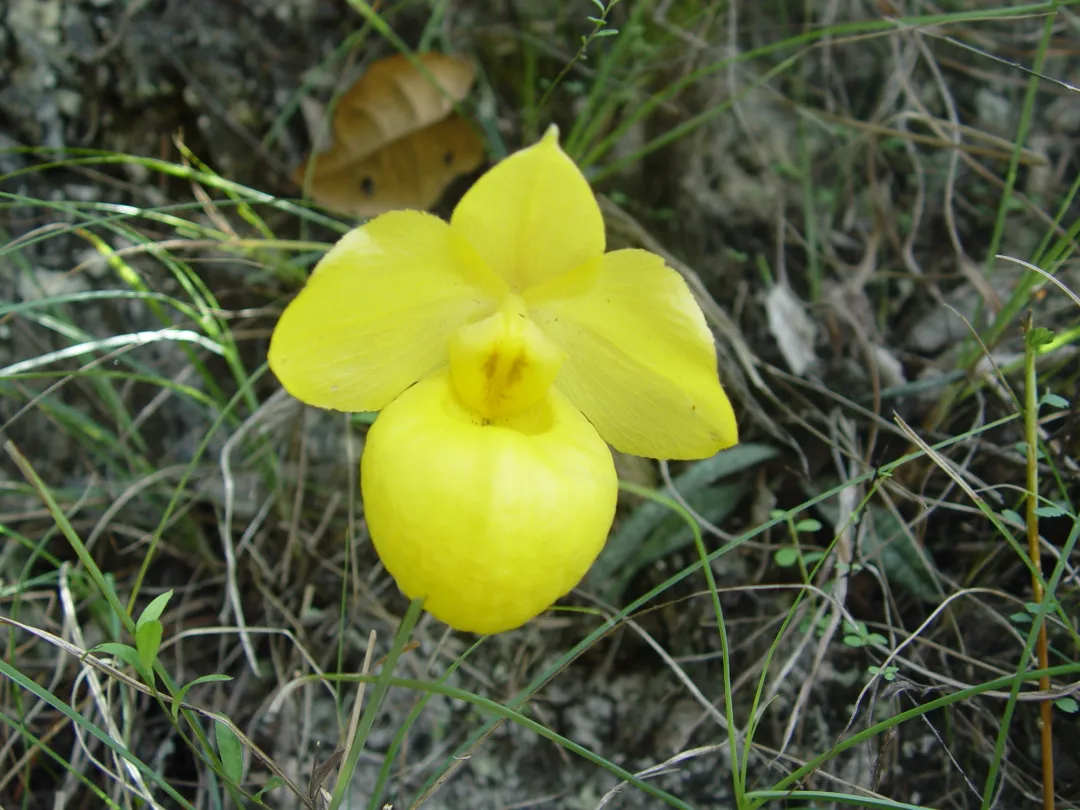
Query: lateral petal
{"x": 378, "y": 312}
{"x": 640, "y": 359}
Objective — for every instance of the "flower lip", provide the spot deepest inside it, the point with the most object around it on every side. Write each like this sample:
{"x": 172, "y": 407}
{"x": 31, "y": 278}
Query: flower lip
{"x": 488, "y": 522}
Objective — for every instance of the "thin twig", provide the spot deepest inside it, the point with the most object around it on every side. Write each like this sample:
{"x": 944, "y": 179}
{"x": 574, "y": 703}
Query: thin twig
{"x": 1031, "y": 434}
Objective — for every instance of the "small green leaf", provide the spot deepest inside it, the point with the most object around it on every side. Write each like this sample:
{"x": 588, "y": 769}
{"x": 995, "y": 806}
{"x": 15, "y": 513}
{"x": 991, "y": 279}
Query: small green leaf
{"x": 129, "y": 655}
{"x": 1020, "y": 618}
{"x": 786, "y": 557}
{"x": 600, "y": 5}
{"x": 273, "y": 783}
{"x": 1067, "y": 705}
{"x": 854, "y": 641}
{"x": 147, "y": 642}
{"x": 1033, "y": 607}
{"x": 607, "y": 32}
{"x": 888, "y": 673}
{"x": 876, "y": 638}
{"x": 1012, "y": 516}
{"x": 1021, "y": 448}
{"x": 1050, "y": 511}
{"x": 811, "y": 557}
{"x": 1053, "y": 401}
{"x": 230, "y": 751}
{"x": 1039, "y": 336}
{"x": 808, "y": 525}
{"x": 182, "y": 693}
{"x": 859, "y": 628}
{"x": 154, "y": 610}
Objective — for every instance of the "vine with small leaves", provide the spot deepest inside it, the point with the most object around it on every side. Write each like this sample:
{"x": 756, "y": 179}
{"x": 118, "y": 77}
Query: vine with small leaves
{"x": 600, "y": 29}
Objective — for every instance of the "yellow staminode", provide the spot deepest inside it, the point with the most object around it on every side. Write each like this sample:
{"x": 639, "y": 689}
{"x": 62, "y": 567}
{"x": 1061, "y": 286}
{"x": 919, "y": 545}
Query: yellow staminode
{"x": 504, "y": 363}
{"x": 506, "y": 347}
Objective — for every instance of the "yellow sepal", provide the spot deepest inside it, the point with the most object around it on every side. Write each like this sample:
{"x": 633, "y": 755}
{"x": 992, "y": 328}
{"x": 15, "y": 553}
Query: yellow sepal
{"x": 532, "y": 217}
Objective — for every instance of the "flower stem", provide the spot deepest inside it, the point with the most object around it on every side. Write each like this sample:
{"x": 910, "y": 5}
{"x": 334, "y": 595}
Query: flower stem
{"x": 1031, "y": 435}
{"x": 371, "y": 711}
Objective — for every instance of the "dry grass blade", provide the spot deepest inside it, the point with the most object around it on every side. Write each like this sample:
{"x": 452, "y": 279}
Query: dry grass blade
{"x": 1052, "y": 279}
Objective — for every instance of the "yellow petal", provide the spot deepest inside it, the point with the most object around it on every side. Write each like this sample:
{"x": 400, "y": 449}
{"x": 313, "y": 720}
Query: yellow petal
{"x": 490, "y": 521}
{"x": 503, "y": 364}
{"x": 533, "y": 216}
{"x": 378, "y": 311}
{"x": 641, "y": 363}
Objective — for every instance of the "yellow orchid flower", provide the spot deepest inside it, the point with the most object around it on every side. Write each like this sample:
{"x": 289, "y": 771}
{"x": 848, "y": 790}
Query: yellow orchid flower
{"x": 505, "y": 350}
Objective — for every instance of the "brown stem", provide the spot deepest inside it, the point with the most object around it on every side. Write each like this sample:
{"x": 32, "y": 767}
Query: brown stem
{"x": 1031, "y": 431}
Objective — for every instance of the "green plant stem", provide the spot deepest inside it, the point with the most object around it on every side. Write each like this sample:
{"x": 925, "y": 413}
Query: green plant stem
{"x": 96, "y": 576}
{"x": 399, "y": 738}
{"x": 1026, "y": 114}
{"x": 502, "y": 713}
{"x": 1038, "y": 618}
{"x": 861, "y": 737}
{"x": 812, "y": 797}
{"x": 371, "y": 711}
{"x": 9, "y": 672}
{"x": 599, "y": 24}
{"x": 1031, "y": 434}
{"x": 725, "y": 649}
